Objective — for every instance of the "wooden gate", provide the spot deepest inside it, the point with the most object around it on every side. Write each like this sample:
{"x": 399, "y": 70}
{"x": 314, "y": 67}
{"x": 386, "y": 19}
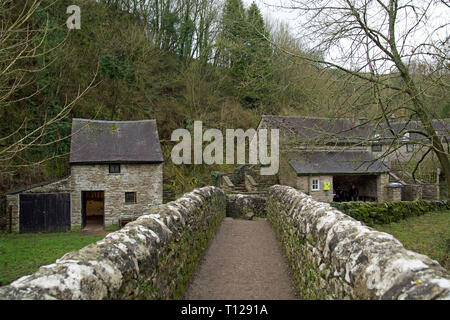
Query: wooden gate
{"x": 44, "y": 212}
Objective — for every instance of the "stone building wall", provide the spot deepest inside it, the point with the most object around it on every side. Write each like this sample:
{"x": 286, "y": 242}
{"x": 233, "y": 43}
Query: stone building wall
{"x": 286, "y": 174}
{"x": 150, "y": 258}
{"x": 13, "y": 207}
{"x": 144, "y": 179}
{"x": 304, "y": 185}
{"x": 4, "y": 213}
{"x": 337, "y": 257}
{"x": 382, "y": 183}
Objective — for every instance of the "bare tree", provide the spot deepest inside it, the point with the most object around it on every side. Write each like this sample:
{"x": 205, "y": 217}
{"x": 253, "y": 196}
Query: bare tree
{"x": 377, "y": 42}
{"x": 21, "y": 43}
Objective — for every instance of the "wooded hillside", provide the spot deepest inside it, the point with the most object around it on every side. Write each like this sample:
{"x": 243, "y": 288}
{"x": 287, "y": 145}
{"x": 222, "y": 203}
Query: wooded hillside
{"x": 175, "y": 61}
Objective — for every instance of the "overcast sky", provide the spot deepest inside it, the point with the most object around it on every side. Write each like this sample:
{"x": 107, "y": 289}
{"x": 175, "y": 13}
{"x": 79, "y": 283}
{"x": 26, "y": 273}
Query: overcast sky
{"x": 270, "y": 12}
{"x": 439, "y": 15}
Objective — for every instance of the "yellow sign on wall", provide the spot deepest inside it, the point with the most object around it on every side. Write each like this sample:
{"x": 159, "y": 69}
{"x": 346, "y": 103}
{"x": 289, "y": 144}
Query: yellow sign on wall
{"x": 326, "y": 185}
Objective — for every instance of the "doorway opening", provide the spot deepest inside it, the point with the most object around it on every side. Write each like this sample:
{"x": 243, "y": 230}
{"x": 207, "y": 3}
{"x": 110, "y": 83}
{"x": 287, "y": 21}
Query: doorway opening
{"x": 366, "y": 185}
{"x": 93, "y": 207}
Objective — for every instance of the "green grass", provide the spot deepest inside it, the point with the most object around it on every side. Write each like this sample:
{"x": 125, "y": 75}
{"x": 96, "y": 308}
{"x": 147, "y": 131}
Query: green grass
{"x": 428, "y": 234}
{"x": 23, "y": 254}
{"x": 112, "y": 228}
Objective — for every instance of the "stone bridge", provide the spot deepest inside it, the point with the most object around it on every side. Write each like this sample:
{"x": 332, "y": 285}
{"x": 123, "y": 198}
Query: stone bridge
{"x": 167, "y": 253}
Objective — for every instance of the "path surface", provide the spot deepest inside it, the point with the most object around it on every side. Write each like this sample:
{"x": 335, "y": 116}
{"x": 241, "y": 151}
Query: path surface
{"x": 244, "y": 261}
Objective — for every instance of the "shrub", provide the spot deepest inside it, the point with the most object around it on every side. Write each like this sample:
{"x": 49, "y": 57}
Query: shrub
{"x": 372, "y": 213}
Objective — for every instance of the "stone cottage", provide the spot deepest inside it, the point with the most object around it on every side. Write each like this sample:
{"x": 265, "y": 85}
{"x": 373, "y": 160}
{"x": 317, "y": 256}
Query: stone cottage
{"x": 323, "y": 157}
{"x": 116, "y": 175}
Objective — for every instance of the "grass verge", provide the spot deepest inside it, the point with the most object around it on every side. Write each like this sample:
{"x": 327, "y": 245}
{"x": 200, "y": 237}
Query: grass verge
{"x": 428, "y": 234}
{"x": 22, "y": 254}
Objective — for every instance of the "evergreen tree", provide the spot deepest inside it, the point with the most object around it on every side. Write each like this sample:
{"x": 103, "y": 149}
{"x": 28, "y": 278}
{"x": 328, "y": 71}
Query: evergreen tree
{"x": 247, "y": 53}
{"x": 258, "y": 80}
{"x": 233, "y": 36}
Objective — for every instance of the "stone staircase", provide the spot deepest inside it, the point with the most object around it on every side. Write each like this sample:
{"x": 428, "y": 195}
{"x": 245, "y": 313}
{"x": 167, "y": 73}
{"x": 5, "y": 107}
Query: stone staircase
{"x": 239, "y": 188}
{"x": 246, "y": 181}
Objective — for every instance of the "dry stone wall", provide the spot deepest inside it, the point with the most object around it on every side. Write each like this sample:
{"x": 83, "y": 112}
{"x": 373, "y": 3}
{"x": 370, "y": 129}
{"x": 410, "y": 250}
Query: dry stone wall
{"x": 150, "y": 258}
{"x": 240, "y": 205}
{"x": 337, "y": 257}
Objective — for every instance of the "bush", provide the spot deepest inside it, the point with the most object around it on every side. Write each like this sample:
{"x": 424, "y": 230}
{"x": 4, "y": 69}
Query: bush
{"x": 372, "y": 213}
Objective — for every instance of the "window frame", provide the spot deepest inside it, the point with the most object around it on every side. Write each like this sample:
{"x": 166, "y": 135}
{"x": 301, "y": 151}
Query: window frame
{"x": 312, "y": 184}
{"x": 112, "y": 165}
{"x": 134, "y": 196}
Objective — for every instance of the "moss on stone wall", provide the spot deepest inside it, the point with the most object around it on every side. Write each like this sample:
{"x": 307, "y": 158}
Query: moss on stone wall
{"x": 372, "y": 213}
{"x": 152, "y": 257}
{"x": 180, "y": 257}
{"x": 333, "y": 256}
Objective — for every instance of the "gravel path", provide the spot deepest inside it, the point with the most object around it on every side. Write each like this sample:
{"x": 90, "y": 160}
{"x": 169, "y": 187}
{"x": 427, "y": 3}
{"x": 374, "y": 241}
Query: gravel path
{"x": 243, "y": 262}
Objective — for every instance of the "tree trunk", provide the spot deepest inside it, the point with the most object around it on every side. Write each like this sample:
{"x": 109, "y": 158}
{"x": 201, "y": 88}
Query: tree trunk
{"x": 416, "y": 97}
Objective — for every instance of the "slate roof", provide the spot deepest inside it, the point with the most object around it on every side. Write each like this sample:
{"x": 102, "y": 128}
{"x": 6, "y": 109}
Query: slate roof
{"x": 336, "y": 162}
{"x": 23, "y": 189}
{"x": 342, "y": 130}
{"x": 96, "y": 141}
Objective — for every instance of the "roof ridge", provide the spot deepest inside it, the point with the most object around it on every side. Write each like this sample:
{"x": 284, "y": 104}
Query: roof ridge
{"x": 113, "y": 121}
{"x": 305, "y": 117}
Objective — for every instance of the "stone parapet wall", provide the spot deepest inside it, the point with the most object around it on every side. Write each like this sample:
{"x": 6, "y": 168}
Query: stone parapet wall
{"x": 334, "y": 256}
{"x": 240, "y": 205}
{"x": 150, "y": 258}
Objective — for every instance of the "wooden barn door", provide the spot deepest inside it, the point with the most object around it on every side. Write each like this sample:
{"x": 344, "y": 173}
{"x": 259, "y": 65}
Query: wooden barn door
{"x": 44, "y": 212}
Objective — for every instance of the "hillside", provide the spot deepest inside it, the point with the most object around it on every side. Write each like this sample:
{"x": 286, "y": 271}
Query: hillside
{"x": 175, "y": 62}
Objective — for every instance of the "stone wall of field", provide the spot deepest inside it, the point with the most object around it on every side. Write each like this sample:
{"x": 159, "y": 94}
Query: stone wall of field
{"x": 334, "y": 256}
{"x": 150, "y": 258}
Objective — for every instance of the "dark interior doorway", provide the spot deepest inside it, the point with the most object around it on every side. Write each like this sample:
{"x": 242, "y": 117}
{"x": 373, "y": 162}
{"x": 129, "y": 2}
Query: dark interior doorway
{"x": 366, "y": 185}
{"x": 93, "y": 208}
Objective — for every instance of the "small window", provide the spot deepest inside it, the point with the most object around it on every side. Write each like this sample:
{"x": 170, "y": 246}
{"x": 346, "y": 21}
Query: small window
{"x": 315, "y": 184}
{"x": 409, "y": 147}
{"x": 114, "y": 168}
{"x": 130, "y": 197}
{"x": 377, "y": 148}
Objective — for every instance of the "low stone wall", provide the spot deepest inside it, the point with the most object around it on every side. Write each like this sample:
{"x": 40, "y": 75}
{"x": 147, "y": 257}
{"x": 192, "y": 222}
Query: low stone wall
{"x": 430, "y": 191}
{"x": 150, "y": 258}
{"x": 336, "y": 257}
{"x": 240, "y": 205}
